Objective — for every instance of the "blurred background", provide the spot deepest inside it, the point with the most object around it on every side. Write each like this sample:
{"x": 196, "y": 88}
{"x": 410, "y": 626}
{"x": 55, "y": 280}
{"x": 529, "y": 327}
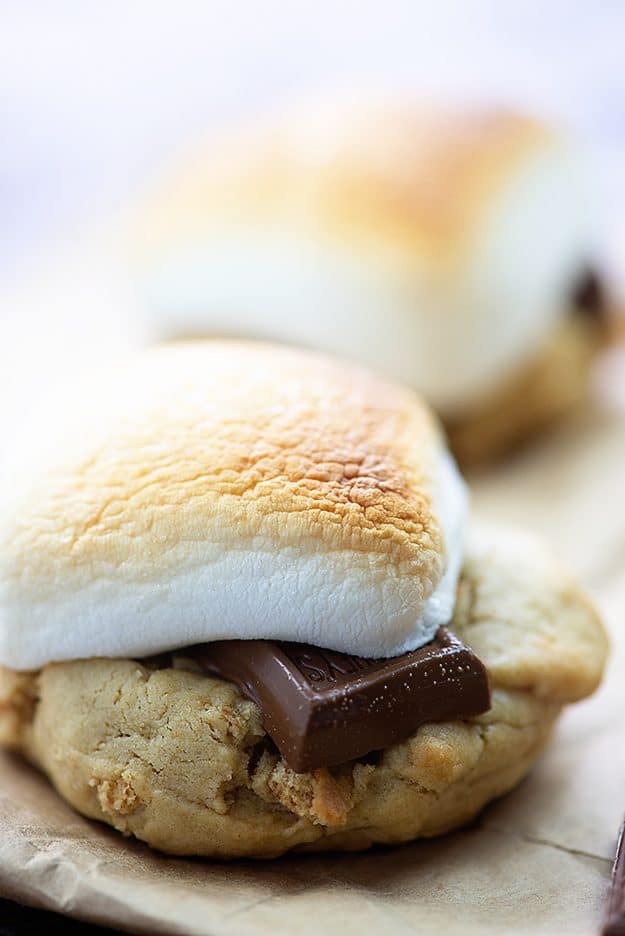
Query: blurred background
{"x": 93, "y": 97}
{"x": 96, "y": 98}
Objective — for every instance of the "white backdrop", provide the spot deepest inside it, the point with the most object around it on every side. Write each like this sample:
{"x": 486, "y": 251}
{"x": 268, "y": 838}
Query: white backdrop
{"x": 94, "y": 95}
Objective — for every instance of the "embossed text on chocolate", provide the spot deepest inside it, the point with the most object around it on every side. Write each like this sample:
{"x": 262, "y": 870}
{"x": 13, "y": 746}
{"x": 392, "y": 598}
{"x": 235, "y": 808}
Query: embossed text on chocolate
{"x": 324, "y": 666}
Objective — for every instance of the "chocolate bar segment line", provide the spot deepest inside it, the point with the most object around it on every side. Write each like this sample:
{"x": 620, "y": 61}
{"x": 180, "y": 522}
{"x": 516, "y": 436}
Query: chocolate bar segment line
{"x": 323, "y": 708}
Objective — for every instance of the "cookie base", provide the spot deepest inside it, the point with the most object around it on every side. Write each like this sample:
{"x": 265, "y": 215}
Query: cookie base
{"x": 545, "y": 390}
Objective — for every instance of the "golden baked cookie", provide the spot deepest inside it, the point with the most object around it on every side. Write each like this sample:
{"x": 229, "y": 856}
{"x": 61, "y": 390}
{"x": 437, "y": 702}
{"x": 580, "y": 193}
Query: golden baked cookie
{"x": 180, "y": 760}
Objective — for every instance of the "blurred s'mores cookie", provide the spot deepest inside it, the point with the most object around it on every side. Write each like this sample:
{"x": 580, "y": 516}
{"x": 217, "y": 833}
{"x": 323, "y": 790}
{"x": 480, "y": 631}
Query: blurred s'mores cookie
{"x": 449, "y": 250}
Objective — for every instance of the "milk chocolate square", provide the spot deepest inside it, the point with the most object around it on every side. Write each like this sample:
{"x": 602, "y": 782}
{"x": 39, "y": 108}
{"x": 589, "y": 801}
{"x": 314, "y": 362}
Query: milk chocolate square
{"x": 323, "y": 708}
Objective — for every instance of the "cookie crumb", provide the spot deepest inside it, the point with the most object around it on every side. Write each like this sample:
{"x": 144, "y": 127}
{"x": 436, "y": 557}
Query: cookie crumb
{"x": 117, "y": 795}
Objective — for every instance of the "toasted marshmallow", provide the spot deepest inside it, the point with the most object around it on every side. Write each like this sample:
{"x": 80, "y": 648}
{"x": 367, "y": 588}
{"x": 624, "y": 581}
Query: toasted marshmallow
{"x": 439, "y": 248}
{"x": 230, "y": 490}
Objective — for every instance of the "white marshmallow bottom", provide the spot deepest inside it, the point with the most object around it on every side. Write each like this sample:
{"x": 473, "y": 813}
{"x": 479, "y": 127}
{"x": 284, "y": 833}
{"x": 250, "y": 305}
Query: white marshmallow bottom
{"x": 349, "y": 601}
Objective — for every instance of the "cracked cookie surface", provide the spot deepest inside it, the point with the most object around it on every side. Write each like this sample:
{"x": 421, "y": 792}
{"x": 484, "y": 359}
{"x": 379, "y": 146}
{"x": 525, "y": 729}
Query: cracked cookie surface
{"x": 181, "y": 760}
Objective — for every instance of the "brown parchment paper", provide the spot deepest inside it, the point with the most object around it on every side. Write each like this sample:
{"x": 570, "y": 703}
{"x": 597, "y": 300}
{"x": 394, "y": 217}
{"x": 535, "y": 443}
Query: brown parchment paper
{"x": 537, "y": 861}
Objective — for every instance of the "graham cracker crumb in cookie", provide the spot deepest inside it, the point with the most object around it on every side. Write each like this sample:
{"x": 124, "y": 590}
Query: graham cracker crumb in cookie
{"x": 116, "y": 795}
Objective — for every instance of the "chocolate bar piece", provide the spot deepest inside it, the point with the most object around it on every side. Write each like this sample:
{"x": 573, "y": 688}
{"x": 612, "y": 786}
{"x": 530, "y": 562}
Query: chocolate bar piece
{"x": 588, "y": 297}
{"x": 323, "y": 708}
{"x": 615, "y": 917}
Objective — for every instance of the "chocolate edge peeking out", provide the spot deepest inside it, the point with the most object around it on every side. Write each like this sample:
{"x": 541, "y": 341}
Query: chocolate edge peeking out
{"x": 323, "y": 708}
{"x": 587, "y": 296}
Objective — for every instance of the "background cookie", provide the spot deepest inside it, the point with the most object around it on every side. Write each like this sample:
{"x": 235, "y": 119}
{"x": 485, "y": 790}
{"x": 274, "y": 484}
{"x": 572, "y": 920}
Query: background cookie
{"x": 443, "y": 247}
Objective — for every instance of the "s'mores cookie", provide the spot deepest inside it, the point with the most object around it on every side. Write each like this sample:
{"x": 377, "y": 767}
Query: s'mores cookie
{"x": 241, "y": 611}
